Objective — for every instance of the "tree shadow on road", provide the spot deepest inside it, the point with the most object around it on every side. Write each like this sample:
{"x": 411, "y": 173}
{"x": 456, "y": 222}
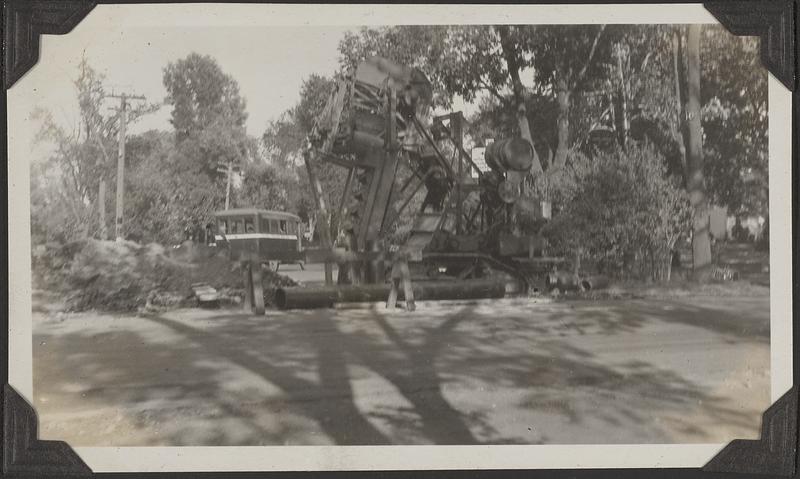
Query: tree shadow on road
{"x": 329, "y": 402}
{"x": 750, "y": 323}
{"x": 414, "y": 374}
{"x": 292, "y": 377}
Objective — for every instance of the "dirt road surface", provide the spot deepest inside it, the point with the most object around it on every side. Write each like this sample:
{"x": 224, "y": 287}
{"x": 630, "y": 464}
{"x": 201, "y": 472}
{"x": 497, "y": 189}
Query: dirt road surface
{"x": 500, "y": 371}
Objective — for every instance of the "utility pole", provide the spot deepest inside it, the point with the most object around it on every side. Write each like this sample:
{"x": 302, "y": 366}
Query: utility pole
{"x": 228, "y": 187}
{"x": 123, "y": 120}
{"x": 228, "y": 170}
{"x": 101, "y": 199}
{"x": 457, "y": 133}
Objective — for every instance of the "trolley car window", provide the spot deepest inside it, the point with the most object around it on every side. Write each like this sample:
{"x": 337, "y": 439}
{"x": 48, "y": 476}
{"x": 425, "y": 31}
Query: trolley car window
{"x": 249, "y": 227}
{"x": 283, "y": 227}
{"x": 236, "y": 226}
{"x": 223, "y": 226}
{"x": 273, "y": 226}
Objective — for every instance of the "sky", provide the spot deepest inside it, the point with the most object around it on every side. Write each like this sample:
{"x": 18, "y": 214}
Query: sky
{"x": 268, "y": 62}
{"x": 268, "y": 49}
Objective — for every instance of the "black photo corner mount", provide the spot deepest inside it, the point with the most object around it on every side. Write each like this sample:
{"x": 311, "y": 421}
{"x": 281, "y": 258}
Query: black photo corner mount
{"x": 24, "y": 452}
{"x": 774, "y": 453}
{"x": 774, "y": 21}
{"x": 25, "y": 20}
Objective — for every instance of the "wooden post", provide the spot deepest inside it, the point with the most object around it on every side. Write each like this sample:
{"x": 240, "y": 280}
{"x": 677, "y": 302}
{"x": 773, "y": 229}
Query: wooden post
{"x": 401, "y": 274}
{"x": 408, "y": 289}
{"x": 248, "y": 285}
{"x": 258, "y": 288}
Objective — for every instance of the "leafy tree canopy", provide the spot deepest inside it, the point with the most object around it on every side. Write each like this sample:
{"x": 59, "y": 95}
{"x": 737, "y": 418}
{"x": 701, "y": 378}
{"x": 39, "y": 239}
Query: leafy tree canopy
{"x": 208, "y": 111}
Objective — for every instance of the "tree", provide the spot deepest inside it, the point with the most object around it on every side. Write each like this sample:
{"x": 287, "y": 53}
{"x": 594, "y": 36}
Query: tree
{"x": 208, "y": 112}
{"x": 285, "y": 138}
{"x": 623, "y": 210}
{"x": 695, "y": 181}
{"x": 82, "y": 157}
{"x": 474, "y": 61}
{"x": 270, "y": 187}
{"x": 735, "y": 122}
{"x": 514, "y": 64}
{"x": 282, "y": 140}
{"x": 563, "y": 58}
{"x": 164, "y": 196}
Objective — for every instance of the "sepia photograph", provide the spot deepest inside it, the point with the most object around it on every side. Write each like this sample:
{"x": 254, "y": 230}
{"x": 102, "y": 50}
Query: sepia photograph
{"x": 286, "y": 226}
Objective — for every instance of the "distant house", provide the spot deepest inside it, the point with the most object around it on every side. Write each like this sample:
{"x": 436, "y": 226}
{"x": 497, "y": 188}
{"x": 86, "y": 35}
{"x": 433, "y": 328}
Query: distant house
{"x": 753, "y": 226}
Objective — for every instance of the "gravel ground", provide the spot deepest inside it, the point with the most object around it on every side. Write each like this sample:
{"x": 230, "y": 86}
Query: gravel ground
{"x": 691, "y": 369}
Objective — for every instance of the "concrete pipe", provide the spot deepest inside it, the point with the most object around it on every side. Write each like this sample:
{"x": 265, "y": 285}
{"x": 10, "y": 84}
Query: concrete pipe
{"x": 327, "y": 296}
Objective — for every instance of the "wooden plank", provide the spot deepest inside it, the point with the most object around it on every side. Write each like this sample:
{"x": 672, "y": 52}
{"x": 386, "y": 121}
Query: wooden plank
{"x": 248, "y": 286}
{"x": 258, "y": 288}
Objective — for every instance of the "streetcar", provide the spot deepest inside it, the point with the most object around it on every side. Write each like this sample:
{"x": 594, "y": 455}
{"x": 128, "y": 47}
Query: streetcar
{"x": 265, "y": 235}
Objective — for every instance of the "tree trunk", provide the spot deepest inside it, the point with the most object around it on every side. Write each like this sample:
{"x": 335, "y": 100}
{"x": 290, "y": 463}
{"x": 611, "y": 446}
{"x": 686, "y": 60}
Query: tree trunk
{"x": 563, "y": 99}
{"x": 701, "y": 241}
{"x": 565, "y": 85}
{"x": 513, "y": 64}
{"x": 680, "y": 97}
{"x": 623, "y": 96}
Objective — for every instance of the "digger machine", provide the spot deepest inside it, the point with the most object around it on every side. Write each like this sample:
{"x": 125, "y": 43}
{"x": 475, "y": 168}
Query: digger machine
{"x": 463, "y": 241}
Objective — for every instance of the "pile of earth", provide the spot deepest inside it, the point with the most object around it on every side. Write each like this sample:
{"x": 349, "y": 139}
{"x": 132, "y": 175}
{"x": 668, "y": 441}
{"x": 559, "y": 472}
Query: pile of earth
{"x": 128, "y": 276}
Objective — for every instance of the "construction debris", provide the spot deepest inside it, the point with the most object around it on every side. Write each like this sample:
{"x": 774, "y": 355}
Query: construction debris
{"x": 128, "y": 276}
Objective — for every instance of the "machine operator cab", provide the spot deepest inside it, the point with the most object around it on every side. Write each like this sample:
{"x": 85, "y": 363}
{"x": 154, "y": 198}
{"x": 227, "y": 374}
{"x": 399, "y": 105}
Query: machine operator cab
{"x": 252, "y": 233}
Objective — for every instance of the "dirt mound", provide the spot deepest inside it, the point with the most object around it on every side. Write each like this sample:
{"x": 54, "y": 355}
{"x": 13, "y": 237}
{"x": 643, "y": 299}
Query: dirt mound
{"x": 126, "y": 276}
{"x": 120, "y": 275}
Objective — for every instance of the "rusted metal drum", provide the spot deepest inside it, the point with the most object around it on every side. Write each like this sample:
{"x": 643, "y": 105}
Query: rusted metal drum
{"x": 509, "y": 154}
{"x": 594, "y": 282}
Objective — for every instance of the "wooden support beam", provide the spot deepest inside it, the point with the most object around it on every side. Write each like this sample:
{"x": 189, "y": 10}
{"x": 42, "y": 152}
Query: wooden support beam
{"x": 443, "y": 162}
{"x": 324, "y": 221}
{"x": 258, "y": 287}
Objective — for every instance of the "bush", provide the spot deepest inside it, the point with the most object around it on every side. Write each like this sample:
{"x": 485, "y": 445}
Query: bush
{"x": 50, "y": 263}
{"x": 621, "y": 210}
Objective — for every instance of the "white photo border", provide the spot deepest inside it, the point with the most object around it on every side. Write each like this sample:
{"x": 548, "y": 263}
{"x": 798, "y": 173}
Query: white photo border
{"x": 351, "y": 458}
